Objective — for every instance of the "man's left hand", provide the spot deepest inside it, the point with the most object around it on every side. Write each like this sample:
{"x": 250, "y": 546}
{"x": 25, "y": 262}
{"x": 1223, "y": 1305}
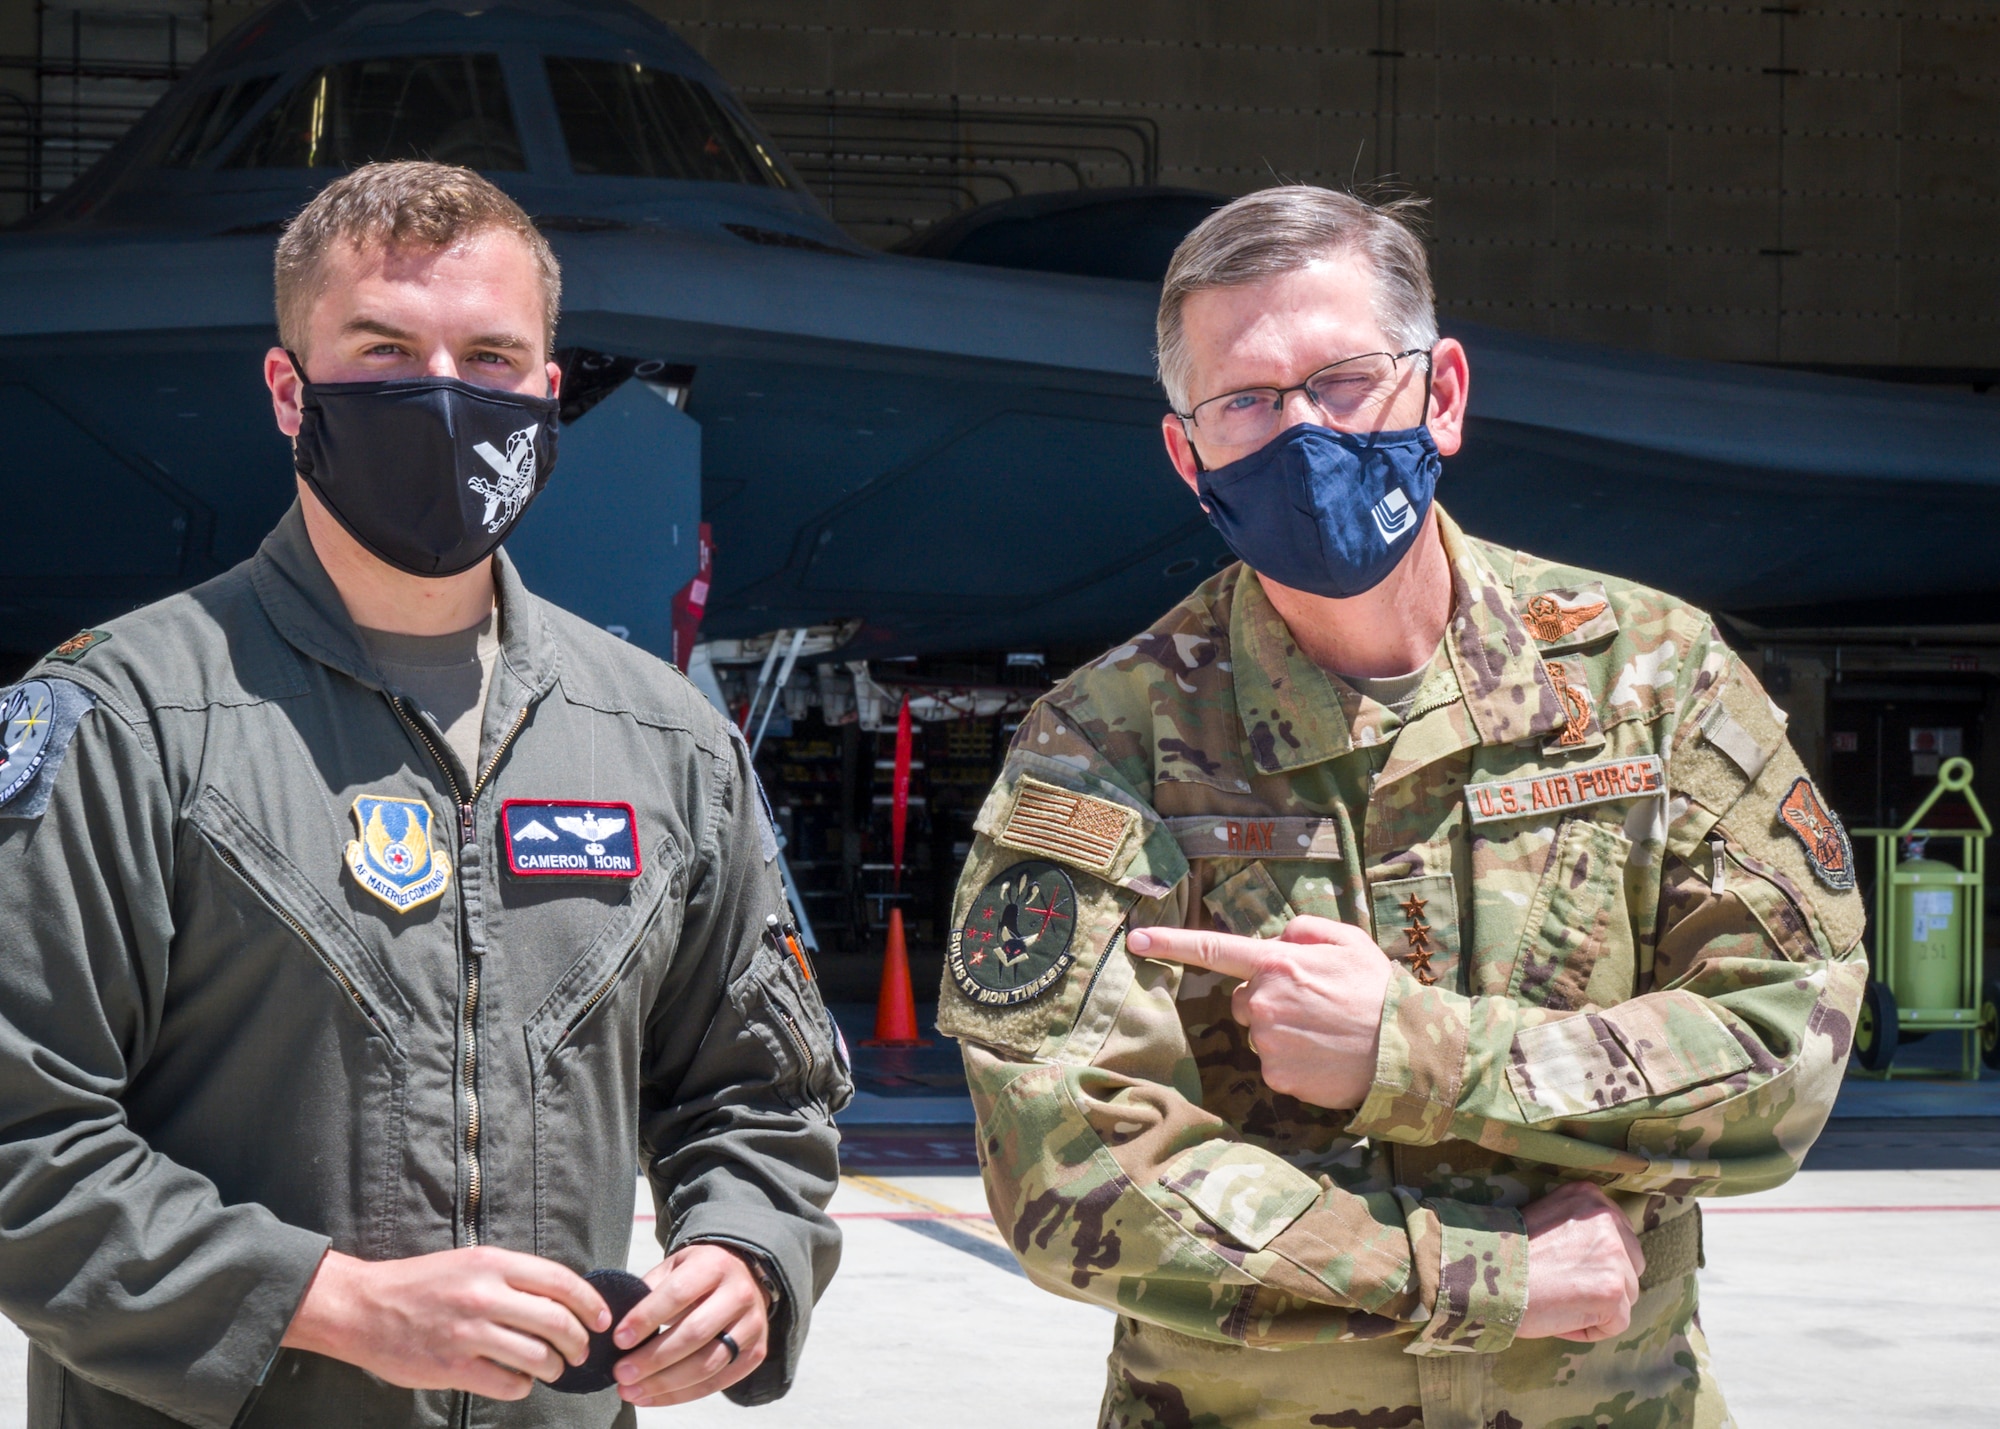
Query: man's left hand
{"x": 701, "y": 1293}
{"x": 1311, "y": 997}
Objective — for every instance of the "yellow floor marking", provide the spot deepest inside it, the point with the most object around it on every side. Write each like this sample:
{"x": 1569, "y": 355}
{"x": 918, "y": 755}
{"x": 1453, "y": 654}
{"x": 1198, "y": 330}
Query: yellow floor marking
{"x": 890, "y": 1191}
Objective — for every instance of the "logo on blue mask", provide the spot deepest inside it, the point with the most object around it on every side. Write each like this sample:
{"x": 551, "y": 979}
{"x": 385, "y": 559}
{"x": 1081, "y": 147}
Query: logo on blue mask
{"x": 1323, "y": 511}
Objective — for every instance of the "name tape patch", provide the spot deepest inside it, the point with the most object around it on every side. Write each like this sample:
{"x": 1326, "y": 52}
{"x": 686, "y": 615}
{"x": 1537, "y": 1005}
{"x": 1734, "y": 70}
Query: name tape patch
{"x": 1569, "y": 789}
{"x": 569, "y": 838}
{"x": 1278, "y": 837}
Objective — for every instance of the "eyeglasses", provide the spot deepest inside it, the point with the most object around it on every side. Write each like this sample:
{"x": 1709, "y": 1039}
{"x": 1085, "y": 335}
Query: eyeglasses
{"x": 1350, "y": 389}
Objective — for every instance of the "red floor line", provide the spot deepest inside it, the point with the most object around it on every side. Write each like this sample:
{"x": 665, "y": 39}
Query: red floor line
{"x": 646, "y": 1217}
{"x": 1708, "y": 1210}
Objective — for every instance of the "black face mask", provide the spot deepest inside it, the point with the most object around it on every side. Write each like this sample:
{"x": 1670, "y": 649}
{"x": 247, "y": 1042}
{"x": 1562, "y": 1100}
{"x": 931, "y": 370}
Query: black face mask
{"x": 429, "y": 473}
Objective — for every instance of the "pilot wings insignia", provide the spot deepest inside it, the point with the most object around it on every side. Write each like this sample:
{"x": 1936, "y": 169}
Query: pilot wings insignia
{"x": 590, "y": 828}
{"x": 1548, "y": 619}
{"x": 396, "y": 857}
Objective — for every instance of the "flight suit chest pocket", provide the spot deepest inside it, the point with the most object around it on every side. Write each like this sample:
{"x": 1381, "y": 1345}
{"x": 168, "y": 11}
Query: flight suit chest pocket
{"x": 258, "y": 882}
{"x": 1576, "y": 942}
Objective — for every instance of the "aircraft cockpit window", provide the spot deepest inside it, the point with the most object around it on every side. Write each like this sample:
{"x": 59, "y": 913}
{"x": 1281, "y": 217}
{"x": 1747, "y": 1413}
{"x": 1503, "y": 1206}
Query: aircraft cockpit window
{"x": 214, "y": 116}
{"x": 451, "y": 108}
{"x": 633, "y": 121}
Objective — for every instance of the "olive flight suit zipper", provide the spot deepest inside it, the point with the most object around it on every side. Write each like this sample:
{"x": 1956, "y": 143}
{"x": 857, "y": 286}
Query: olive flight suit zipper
{"x": 469, "y": 1028}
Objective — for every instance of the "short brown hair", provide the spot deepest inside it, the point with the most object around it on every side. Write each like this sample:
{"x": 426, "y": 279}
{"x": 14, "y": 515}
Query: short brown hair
{"x": 1283, "y": 229}
{"x": 412, "y": 203}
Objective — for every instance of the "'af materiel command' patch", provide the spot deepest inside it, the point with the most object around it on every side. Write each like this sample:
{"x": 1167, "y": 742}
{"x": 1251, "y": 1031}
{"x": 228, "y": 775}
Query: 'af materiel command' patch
{"x": 1017, "y": 940}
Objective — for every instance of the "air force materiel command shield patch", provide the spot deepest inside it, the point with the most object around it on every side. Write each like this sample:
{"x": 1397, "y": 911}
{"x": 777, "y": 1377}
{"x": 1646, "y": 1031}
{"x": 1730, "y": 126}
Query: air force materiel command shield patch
{"x": 1016, "y": 942}
{"x": 569, "y": 838}
{"x": 37, "y": 718}
{"x": 397, "y": 858}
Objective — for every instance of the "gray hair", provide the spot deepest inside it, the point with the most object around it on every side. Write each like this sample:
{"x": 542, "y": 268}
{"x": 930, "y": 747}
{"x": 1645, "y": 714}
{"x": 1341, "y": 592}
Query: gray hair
{"x": 1283, "y": 229}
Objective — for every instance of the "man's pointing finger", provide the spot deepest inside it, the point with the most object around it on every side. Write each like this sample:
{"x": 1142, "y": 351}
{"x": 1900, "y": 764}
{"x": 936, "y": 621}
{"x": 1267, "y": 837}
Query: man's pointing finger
{"x": 1224, "y": 953}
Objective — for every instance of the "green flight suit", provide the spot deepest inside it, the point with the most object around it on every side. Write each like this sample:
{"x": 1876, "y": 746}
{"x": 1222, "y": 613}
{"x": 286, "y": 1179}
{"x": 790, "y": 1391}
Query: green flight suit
{"x": 1619, "y": 959}
{"x": 272, "y": 984}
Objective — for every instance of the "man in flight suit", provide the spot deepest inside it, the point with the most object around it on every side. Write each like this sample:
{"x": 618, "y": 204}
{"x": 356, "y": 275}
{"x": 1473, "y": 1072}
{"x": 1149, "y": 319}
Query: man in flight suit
{"x": 367, "y": 920}
{"x": 1362, "y": 972}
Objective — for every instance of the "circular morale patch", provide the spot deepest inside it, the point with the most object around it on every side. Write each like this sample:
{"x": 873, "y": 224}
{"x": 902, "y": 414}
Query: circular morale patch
{"x": 1016, "y": 941}
{"x": 26, "y": 721}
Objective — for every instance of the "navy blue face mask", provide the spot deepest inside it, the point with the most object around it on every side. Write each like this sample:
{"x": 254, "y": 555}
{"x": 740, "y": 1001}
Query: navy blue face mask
{"x": 1324, "y": 511}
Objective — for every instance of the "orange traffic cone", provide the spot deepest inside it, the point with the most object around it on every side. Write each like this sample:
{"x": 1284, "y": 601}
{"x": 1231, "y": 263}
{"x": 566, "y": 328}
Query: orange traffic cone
{"x": 896, "y": 1005}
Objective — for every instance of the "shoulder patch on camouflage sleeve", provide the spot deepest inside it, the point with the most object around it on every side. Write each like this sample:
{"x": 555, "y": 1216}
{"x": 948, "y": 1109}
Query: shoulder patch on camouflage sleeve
{"x": 1078, "y": 829}
{"x": 1018, "y": 936}
{"x": 1813, "y": 824}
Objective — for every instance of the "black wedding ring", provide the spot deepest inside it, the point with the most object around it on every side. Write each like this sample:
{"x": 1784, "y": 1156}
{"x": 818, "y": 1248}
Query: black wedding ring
{"x": 729, "y": 1345}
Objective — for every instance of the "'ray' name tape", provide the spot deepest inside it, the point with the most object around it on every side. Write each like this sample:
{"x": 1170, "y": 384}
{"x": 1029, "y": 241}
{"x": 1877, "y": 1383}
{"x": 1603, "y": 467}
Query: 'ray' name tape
{"x": 1567, "y": 789}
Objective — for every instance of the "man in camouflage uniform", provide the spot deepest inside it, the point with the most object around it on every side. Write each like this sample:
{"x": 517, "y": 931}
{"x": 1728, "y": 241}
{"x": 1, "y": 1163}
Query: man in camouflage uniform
{"x": 1558, "y": 933}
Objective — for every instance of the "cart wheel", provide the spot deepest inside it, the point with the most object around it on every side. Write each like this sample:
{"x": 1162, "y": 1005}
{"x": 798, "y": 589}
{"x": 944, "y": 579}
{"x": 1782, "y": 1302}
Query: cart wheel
{"x": 1989, "y": 1025}
{"x": 1875, "y": 1029}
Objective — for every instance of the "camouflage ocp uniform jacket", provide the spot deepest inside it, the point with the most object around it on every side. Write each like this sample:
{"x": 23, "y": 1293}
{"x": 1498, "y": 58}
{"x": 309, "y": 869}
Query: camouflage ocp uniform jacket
{"x": 1628, "y": 953}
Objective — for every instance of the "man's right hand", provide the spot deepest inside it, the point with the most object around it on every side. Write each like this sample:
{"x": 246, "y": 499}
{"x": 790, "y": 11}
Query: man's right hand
{"x": 1584, "y": 1265}
{"x": 480, "y": 1319}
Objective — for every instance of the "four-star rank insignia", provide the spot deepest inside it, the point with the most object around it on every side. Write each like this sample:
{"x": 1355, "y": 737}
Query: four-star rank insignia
{"x": 397, "y": 858}
{"x": 1017, "y": 940}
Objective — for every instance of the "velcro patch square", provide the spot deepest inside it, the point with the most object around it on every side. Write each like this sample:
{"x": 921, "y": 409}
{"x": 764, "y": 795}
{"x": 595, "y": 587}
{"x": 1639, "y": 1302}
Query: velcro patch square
{"x": 570, "y": 838}
{"x": 1070, "y": 828}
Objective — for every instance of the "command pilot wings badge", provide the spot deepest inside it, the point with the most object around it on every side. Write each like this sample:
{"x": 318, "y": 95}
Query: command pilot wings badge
{"x": 397, "y": 858}
{"x": 570, "y": 838}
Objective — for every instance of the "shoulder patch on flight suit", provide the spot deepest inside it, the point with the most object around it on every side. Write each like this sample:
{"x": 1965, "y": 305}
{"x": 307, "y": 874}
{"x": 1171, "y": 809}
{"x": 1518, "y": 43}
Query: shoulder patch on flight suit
{"x": 1816, "y": 826}
{"x": 1075, "y": 828}
{"x": 37, "y": 718}
{"x": 1016, "y": 941}
{"x": 1567, "y": 616}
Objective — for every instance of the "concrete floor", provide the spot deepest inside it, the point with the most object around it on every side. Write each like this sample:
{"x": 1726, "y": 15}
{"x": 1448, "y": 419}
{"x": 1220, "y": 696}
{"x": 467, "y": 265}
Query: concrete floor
{"x": 1863, "y": 1295}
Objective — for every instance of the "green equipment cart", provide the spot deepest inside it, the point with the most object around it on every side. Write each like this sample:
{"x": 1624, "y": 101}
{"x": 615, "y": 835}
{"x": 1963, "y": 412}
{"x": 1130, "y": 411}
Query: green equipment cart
{"x": 1929, "y": 966}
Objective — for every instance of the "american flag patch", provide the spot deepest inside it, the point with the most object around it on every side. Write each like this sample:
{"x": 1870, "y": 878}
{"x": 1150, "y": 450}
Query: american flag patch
{"x": 1072, "y": 828}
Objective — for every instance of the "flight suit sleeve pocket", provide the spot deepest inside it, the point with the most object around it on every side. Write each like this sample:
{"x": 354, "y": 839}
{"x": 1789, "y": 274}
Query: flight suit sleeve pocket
{"x": 1249, "y": 904}
{"x": 1248, "y": 1194}
{"x": 788, "y": 1017}
{"x": 1578, "y": 915}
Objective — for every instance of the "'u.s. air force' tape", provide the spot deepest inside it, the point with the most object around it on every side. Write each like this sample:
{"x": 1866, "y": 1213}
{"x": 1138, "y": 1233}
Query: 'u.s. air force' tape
{"x": 37, "y": 718}
{"x": 1567, "y": 789}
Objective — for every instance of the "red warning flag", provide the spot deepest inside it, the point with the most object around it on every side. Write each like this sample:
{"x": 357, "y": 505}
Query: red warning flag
{"x": 899, "y": 791}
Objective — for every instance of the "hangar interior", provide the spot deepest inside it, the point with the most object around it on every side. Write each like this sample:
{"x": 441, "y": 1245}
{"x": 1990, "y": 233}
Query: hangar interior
{"x": 1807, "y": 186}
